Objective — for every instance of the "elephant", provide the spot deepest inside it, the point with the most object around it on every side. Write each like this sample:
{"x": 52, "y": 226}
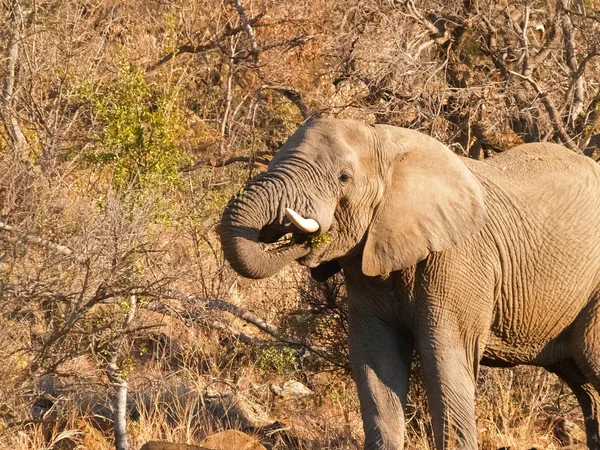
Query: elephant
{"x": 462, "y": 262}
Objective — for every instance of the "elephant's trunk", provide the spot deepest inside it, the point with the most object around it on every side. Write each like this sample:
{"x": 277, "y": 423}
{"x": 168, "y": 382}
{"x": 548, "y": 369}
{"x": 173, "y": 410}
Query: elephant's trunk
{"x": 242, "y": 221}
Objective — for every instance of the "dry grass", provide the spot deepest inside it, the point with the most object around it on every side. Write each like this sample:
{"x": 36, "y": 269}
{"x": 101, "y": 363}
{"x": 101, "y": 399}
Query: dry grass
{"x": 173, "y": 396}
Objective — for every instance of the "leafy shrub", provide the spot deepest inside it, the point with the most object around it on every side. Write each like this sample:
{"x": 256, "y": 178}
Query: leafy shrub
{"x": 277, "y": 360}
{"x": 140, "y": 131}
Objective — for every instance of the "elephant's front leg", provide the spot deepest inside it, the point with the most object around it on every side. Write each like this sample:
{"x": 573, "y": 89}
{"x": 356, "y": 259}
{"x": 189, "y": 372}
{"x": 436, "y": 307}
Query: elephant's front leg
{"x": 380, "y": 359}
{"x": 449, "y": 370}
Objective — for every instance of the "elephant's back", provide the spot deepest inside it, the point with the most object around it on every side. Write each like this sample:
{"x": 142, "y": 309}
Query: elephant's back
{"x": 543, "y": 205}
{"x": 533, "y": 163}
{"x": 542, "y": 180}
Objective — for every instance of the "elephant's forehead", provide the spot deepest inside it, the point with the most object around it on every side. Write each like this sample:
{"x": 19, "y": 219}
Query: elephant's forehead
{"x": 327, "y": 142}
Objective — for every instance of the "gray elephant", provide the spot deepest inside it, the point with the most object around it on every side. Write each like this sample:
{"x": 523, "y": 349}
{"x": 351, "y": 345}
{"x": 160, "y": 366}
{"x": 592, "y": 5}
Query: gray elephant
{"x": 493, "y": 262}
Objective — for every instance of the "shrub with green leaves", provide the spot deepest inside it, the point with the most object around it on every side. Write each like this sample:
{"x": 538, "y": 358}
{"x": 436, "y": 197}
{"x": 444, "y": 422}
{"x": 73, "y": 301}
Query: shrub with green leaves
{"x": 140, "y": 131}
{"x": 277, "y": 360}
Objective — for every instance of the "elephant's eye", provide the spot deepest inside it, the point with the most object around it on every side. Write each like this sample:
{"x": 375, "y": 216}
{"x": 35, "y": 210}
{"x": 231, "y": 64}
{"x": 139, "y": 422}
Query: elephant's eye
{"x": 344, "y": 177}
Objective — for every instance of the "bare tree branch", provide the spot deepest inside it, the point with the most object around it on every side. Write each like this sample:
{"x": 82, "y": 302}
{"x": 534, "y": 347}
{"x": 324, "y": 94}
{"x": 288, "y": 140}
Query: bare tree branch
{"x": 36, "y": 240}
{"x": 592, "y": 121}
{"x": 555, "y": 117}
{"x": 7, "y": 109}
{"x": 251, "y": 160}
{"x": 261, "y": 324}
{"x": 439, "y": 34}
{"x": 247, "y": 26}
{"x": 552, "y": 38}
{"x": 585, "y": 15}
{"x": 190, "y": 48}
{"x": 524, "y": 38}
{"x": 571, "y": 59}
{"x": 292, "y": 95}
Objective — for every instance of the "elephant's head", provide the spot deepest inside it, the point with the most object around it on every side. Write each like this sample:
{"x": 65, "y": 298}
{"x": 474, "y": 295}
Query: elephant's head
{"x": 344, "y": 189}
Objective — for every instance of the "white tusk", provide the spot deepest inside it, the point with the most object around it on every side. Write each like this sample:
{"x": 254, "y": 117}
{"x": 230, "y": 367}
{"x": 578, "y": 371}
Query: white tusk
{"x": 306, "y": 225}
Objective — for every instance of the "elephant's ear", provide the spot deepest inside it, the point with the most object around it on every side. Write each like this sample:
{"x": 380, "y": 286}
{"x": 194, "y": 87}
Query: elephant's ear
{"x": 432, "y": 201}
{"x": 324, "y": 271}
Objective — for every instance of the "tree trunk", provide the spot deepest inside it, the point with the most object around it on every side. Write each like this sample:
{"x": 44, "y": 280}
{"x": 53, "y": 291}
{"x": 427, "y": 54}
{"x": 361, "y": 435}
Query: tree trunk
{"x": 7, "y": 109}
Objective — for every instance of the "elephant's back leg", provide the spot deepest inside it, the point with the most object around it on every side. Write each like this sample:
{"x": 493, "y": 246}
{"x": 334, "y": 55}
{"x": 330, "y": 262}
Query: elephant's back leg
{"x": 584, "y": 343}
{"x": 587, "y": 396}
{"x": 583, "y": 372}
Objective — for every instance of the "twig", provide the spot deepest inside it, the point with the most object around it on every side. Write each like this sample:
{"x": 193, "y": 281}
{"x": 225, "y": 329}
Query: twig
{"x": 247, "y": 26}
{"x": 190, "y": 48}
{"x": 262, "y": 325}
{"x": 292, "y": 95}
{"x": 552, "y": 112}
{"x": 251, "y": 160}
{"x": 16, "y": 137}
{"x": 36, "y": 240}
{"x": 571, "y": 58}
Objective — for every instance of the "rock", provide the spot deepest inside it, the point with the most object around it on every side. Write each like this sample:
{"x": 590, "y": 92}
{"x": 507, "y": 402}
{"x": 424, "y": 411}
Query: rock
{"x": 291, "y": 389}
{"x": 162, "y": 445}
{"x": 230, "y": 440}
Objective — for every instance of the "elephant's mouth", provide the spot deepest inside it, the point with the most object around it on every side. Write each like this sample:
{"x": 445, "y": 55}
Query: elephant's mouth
{"x": 277, "y": 237}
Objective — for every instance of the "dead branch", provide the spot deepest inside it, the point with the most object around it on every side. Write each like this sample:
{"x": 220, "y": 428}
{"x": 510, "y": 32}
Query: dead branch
{"x": 592, "y": 121}
{"x": 577, "y": 77}
{"x": 247, "y": 26}
{"x": 524, "y": 38}
{"x": 555, "y": 117}
{"x": 250, "y": 160}
{"x": 292, "y": 95}
{"x": 556, "y": 120}
{"x": 246, "y": 315}
{"x": 7, "y": 108}
{"x": 261, "y": 324}
{"x": 543, "y": 53}
{"x": 36, "y": 240}
{"x": 190, "y": 48}
{"x": 571, "y": 59}
{"x": 439, "y": 34}
{"x": 584, "y": 14}
{"x": 416, "y": 14}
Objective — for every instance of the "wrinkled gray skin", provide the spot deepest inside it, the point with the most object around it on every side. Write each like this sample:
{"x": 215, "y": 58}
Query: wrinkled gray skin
{"x": 492, "y": 262}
